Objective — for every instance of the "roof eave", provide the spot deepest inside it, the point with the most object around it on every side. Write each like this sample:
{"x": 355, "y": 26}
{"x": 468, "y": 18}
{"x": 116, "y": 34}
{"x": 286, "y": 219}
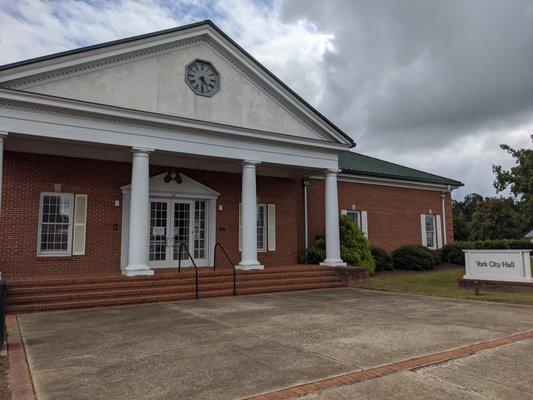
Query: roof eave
{"x": 451, "y": 183}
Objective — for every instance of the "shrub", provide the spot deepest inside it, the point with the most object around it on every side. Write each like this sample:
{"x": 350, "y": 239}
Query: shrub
{"x": 434, "y": 254}
{"x": 413, "y": 257}
{"x": 453, "y": 253}
{"x": 312, "y": 255}
{"x": 502, "y": 244}
{"x": 355, "y": 249}
{"x": 382, "y": 259}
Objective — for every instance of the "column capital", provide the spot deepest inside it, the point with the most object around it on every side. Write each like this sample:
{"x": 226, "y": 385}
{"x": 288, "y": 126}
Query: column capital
{"x": 332, "y": 171}
{"x": 3, "y": 135}
{"x": 141, "y": 150}
{"x": 250, "y": 162}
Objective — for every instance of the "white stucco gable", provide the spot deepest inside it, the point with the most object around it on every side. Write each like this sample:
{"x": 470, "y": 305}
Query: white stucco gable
{"x": 148, "y": 75}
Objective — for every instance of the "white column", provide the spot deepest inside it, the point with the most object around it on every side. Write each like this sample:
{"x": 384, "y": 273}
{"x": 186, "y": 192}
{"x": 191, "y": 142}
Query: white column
{"x": 333, "y": 246}
{"x": 2, "y": 137}
{"x": 443, "y": 198}
{"x": 249, "y": 218}
{"x": 139, "y": 229}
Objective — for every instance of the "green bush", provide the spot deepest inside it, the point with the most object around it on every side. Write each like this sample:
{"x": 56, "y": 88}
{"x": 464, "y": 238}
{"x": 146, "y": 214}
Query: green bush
{"x": 382, "y": 259}
{"x": 434, "y": 254}
{"x": 355, "y": 249}
{"x": 503, "y": 244}
{"x": 413, "y": 257}
{"x": 453, "y": 253}
{"x": 312, "y": 255}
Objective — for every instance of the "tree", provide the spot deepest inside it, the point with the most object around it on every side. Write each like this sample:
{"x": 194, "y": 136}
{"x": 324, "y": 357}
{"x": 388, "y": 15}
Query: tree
{"x": 519, "y": 179}
{"x": 461, "y": 228}
{"x": 467, "y": 207}
{"x": 495, "y": 218}
{"x": 462, "y": 215}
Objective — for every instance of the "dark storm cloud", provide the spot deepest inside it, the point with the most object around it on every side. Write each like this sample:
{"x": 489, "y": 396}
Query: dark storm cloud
{"x": 419, "y": 74}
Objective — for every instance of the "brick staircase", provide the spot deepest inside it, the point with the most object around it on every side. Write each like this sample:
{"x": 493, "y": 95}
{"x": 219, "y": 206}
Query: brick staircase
{"x": 69, "y": 292}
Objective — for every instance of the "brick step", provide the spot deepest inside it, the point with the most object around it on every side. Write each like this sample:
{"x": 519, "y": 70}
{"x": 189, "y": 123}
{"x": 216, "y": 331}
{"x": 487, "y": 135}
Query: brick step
{"x": 116, "y": 301}
{"x": 125, "y": 284}
{"x": 281, "y": 288}
{"x": 15, "y": 283}
{"x": 168, "y": 289}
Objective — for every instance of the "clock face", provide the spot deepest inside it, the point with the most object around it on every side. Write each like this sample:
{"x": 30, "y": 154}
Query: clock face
{"x": 202, "y": 78}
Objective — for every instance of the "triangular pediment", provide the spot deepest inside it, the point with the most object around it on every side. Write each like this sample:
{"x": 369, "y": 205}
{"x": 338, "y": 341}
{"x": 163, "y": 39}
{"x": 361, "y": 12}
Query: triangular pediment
{"x": 149, "y": 74}
{"x": 176, "y": 184}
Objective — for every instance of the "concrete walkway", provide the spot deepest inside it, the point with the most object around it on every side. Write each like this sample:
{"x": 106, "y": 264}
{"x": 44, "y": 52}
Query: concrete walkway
{"x": 234, "y": 348}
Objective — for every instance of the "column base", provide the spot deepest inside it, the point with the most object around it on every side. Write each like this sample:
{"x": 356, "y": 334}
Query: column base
{"x": 249, "y": 265}
{"x": 333, "y": 263}
{"x": 137, "y": 270}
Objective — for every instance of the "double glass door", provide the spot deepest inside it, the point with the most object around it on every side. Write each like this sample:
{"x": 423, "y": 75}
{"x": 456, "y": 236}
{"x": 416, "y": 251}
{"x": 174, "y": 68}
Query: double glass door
{"x": 173, "y": 222}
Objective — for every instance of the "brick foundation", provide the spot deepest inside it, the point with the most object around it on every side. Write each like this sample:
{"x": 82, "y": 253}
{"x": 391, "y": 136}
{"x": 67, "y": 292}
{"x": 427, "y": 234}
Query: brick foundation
{"x": 501, "y": 286}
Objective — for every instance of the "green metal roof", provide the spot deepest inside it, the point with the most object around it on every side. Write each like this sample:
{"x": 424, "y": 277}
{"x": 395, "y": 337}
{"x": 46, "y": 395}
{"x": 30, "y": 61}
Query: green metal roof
{"x": 359, "y": 164}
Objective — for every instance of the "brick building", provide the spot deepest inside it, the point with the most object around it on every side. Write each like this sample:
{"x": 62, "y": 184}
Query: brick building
{"x": 126, "y": 155}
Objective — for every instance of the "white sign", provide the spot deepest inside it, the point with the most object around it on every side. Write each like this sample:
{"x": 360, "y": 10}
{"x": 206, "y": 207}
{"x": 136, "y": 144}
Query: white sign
{"x": 158, "y": 231}
{"x": 498, "y": 265}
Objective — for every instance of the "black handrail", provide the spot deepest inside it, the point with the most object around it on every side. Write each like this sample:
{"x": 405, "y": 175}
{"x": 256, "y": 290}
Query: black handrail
{"x": 231, "y": 262}
{"x": 182, "y": 244}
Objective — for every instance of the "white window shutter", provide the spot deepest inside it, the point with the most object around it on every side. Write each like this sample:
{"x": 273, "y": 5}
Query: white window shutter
{"x": 423, "y": 229}
{"x": 344, "y": 212}
{"x": 80, "y": 225}
{"x": 240, "y": 226}
{"x": 364, "y": 223}
{"x": 439, "y": 231}
{"x": 271, "y": 219}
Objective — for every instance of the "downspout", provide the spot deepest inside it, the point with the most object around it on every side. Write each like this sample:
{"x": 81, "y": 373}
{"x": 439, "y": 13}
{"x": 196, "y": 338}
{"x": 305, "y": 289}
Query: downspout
{"x": 443, "y": 199}
{"x": 306, "y": 227}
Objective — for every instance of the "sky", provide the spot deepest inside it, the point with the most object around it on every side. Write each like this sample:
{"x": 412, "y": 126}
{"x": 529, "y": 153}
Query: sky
{"x": 435, "y": 85}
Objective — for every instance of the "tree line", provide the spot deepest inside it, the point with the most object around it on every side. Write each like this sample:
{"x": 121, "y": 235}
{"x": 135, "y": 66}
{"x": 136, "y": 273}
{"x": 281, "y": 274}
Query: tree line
{"x": 499, "y": 217}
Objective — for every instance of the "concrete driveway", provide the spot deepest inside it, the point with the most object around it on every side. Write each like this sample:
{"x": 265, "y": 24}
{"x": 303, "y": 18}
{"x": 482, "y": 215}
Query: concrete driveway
{"x": 232, "y": 348}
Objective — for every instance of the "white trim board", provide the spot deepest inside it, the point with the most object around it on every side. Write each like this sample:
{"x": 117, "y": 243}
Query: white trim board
{"x": 402, "y": 183}
{"x": 26, "y": 119}
{"x": 94, "y": 151}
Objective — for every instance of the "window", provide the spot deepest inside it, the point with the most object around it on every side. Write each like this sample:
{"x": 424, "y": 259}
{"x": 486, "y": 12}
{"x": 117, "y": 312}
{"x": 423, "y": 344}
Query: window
{"x": 431, "y": 232}
{"x": 261, "y": 227}
{"x": 55, "y": 224}
{"x": 266, "y": 227}
{"x": 356, "y": 216}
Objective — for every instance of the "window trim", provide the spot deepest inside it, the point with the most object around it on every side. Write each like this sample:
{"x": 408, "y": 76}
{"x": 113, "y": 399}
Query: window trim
{"x": 434, "y": 232}
{"x": 265, "y": 228}
{"x": 67, "y": 253}
{"x": 359, "y": 222}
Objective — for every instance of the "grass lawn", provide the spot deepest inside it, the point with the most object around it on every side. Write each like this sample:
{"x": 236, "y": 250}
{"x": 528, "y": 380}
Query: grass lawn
{"x": 441, "y": 282}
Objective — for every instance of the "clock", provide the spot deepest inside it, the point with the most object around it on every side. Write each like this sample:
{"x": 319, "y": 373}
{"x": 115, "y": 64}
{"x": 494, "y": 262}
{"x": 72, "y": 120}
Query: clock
{"x": 202, "y": 78}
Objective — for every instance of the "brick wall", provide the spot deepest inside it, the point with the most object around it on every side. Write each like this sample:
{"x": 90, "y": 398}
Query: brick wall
{"x": 27, "y": 175}
{"x": 393, "y": 213}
